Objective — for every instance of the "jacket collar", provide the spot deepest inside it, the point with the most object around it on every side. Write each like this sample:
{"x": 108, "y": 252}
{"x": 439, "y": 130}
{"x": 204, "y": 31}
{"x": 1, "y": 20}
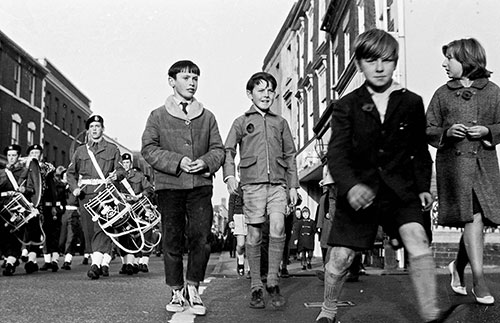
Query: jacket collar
{"x": 368, "y": 106}
{"x": 195, "y": 109}
{"x": 253, "y": 110}
{"x": 478, "y": 84}
{"x": 101, "y": 146}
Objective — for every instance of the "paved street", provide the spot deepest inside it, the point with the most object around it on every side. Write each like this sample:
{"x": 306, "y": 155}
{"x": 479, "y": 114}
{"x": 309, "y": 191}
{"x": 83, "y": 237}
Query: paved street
{"x": 69, "y": 296}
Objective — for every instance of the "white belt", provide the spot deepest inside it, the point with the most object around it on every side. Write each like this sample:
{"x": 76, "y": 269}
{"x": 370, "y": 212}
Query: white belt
{"x": 52, "y": 204}
{"x": 8, "y": 193}
{"x": 93, "y": 181}
{"x": 71, "y": 207}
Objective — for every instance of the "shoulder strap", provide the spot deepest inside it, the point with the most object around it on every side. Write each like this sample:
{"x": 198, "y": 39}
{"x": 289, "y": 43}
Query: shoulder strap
{"x": 12, "y": 179}
{"x": 96, "y": 165}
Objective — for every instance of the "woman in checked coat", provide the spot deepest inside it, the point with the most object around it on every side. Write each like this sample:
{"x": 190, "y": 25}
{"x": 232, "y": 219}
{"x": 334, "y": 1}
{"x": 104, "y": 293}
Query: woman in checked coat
{"x": 463, "y": 123}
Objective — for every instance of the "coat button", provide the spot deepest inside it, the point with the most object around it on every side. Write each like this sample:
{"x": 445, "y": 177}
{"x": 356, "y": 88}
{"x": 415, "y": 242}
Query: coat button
{"x": 188, "y": 143}
{"x": 381, "y": 151}
{"x": 188, "y": 122}
{"x": 474, "y": 121}
{"x": 458, "y": 153}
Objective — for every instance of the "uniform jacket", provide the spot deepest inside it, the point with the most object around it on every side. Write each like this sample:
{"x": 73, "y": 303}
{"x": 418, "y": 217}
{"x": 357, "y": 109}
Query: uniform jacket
{"x": 362, "y": 149}
{"x": 463, "y": 165}
{"x": 304, "y": 232}
{"x": 108, "y": 158}
{"x": 138, "y": 182}
{"x": 170, "y": 135}
{"x": 21, "y": 174}
{"x": 267, "y": 151}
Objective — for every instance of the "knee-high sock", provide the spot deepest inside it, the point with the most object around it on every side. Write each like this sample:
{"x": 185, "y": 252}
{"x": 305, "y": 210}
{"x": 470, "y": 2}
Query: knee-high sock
{"x": 276, "y": 246}
{"x": 253, "y": 256}
{"x": 97, "y": 258}
{"x": 333, "y": 287}
{"x": 423, "y": 277}
{"x": 106, "y": 259}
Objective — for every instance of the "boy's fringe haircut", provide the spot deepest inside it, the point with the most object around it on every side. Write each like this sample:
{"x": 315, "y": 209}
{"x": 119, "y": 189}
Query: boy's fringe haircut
{"x": 374, "y": 44}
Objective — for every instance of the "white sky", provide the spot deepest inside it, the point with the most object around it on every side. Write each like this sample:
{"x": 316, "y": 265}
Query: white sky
{"x": 118, "y": 52}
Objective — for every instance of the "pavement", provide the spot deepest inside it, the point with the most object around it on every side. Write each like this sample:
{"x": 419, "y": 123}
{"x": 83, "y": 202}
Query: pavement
{"x": 69, "y": 296}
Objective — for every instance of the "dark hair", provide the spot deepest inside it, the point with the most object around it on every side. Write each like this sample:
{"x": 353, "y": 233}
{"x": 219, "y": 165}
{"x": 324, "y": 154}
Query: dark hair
{"x": 471, "y": 55}
{"x": 183, "y": 66}
{"x": 376, "y": 43}
{"x": 305, "y": 208}
{"x": 259, "y": 77}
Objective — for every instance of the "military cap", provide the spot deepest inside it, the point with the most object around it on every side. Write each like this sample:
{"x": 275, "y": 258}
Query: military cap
{"x": 126, "y": 156}
{"x": 95, "y": 118}
{"x": 12, "y": 147}
{"x": 34, "y": 147}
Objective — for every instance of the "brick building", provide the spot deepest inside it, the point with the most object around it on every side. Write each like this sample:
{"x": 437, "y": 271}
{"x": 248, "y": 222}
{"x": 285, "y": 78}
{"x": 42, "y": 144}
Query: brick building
{"x": 65, "y": 111}
{"x": 21, "y": 93}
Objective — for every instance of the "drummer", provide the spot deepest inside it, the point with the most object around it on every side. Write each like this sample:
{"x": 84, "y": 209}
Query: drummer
{"x": 14, "y": 178}
{"x": 94, "y": 178}
{"x": 132, "y": 264}
{"x": 33, "y": 227}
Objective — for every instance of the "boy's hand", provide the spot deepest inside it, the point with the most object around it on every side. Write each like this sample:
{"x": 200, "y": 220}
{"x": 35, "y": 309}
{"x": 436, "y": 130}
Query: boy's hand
{"x": 477, "y": 132}
{"x": 458, "y": 130}
{"x": 186, "y": 164}
{"x": 198, "y": 165}
{"x": 293, "y": 196}
{"x": 232, "y": 185}
{"x": 360, "y": 196}
{"x": 426, "y": 200}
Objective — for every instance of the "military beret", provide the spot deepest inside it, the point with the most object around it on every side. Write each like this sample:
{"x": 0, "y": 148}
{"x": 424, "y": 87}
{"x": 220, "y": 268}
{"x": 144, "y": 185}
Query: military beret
{"x": 94, "y": 118}
{"x": 34, "y": 147}
{"x": 126, "y": 156}
{"x": 12, "y": 147}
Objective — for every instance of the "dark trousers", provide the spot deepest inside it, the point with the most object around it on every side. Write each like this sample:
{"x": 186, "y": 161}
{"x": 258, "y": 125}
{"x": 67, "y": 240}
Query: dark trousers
{"x": 95, "y": 238}
{"x": 52, "y": 229}
{"x": 185, "y": 214}
{"x": 70, "y": 232}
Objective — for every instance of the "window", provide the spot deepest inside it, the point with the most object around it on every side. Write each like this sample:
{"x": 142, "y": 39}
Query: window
{"x": 55, "y": 156}
{"x": 16, "y": 126}
{"x": 48, "y": 98}
{"x": 300, "y": 119}
{"x": 386, "y": 12}
{"x": 78, "y": 123}
{"x": 310, "y": 111}
{"x": 31, "y": 133}
{"x": 63, "y": 158}
{"x": 56, "y": 112}
{"x": 310, "y": 33}
{"x": 361, "y": 16}
{"x": 300, "y": 41}
{"x": 322, "y": 89}
{"x": 335, "y": 76}
{"x": 71, "y": 119}
{"x": 63, "y": 121}
{"x": 347, "y": 41}
{"x": 321, "y": 16}
{"x": 17, "y": 76}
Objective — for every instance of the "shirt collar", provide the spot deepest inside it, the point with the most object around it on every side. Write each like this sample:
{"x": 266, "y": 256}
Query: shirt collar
{"x": 395, "y": 86}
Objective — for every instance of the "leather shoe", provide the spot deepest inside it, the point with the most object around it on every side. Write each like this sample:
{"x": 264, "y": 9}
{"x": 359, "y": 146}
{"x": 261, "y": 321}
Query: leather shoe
{"x": 144, "y": 268}
{"x": 485, "y": 300}
{"x": 93, "y": 272}
{"x": 9, "y": 270}
{"x": 30, "y": 267}
{"x": 66, "y": 266}
{"x": 460, "y": 290}
{"x": 55, "y": 267}
{"x": 325, "y": 320}
{"x": 46, "y": 266}
{"x": 105, "y": 271}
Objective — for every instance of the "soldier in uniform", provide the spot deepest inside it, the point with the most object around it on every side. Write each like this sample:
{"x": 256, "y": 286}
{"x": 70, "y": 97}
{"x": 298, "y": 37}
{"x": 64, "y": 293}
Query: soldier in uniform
{"x": 71, "y": 226}
{"x": 54, "y": 206}
{"x": 47, "y": 207}
{"x": 94, "y": 178}
{"x": 15, "y": 177}
{"x": 140, "y": 187}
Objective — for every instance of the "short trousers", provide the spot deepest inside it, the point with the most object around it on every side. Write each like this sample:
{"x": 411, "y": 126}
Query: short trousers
{"x": 357, "y": 229}
{"x": 240, "y": 226}
{"x": 261, "y": 200}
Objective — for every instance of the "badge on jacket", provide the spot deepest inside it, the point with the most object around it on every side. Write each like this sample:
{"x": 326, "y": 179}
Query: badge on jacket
{"x": 250, "y": 128}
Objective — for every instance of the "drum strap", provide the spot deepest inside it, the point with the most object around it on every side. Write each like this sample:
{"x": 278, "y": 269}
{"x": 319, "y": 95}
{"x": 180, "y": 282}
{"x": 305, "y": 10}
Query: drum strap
{"x": 128, "y": 187}
{"x": 96, "y": 165}
{"x": 12, "y": 179}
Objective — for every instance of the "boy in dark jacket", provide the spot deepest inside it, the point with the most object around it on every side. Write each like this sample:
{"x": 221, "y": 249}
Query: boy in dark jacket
{"x": 379, "y": 159}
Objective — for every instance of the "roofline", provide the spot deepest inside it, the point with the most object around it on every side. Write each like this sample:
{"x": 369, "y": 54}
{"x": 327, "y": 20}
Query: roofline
{"x": 22, "y": 52}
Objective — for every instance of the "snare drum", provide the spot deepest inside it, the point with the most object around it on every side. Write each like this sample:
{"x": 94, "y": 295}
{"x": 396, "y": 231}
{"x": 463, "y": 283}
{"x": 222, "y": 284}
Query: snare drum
{"x": 17, "y": 211}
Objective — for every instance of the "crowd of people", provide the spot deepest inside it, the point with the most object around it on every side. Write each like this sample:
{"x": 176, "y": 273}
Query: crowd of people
{"x": 378, "y": 174}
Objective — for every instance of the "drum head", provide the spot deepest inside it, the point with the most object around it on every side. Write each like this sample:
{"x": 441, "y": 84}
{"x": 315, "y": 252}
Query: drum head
{"x": 36, "y": 177}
